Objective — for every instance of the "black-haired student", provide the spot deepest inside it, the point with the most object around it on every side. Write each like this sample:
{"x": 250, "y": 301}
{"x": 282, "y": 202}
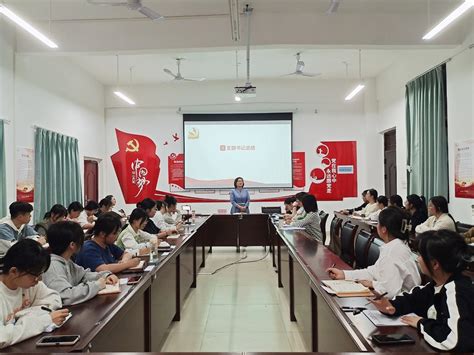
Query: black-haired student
{"x": 396, "y": 201}
{"x": 298, "y": 211}
{"x": 22, "y": 294}
{"x": 382, "y": 203}
{"x": 172, "y": 214}
{"x": 439, "y": 216}
{"x": 74, "y": 283}
{"x": 371, "y": 197}
{"x": 288, "y": 204}
{"x": 311, "y": 221}
{"x": 444, "y": 307}
{"x": 16, "y": 226}
{"x": 395, "y": 270}
{"x": 359, "y": 208}
{"x": 159, "y": 220}
{"x": 105, "y": 205}
{"x": 57, "y": 213}
{"x": 416, "y": 206}
{"x": 133, "y": 238}
{"x": 100, "y": 253}
{"x": 87, "y": 217}
{"x": 74, "y": 210}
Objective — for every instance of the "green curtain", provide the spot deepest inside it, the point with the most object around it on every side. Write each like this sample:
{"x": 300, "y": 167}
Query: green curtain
{"x": 57, "y": 171}
{"x": 427, "y": 134}
{"x": 3, "y": 177}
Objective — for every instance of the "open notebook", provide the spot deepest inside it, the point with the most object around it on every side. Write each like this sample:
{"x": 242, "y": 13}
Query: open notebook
{"x": 110, "y": 289}
{"x": 347, "y": 288}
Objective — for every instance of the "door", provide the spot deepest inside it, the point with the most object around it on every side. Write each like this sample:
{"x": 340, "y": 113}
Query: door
{"x": 91, "y": 180}
{"x": 390, "y": 162}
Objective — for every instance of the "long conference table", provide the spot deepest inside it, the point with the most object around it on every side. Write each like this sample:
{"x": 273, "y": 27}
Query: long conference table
{"x": 137, "y": 319}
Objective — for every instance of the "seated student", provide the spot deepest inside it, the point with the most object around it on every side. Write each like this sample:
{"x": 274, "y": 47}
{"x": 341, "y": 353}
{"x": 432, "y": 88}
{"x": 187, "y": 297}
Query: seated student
{"x": 288, "y": 203}
{"x": 395, "y": 270}
{"x": 172, "y": 215}
{"x": 382, "y": 203}
{"x": 16, "y": 227}
{"x": 149, "y": 206}
{"x": 74, "y": 283}
{"x": 416, "y": 206}
{"x": 364, "y": 203}
{"x": 120, "y": 212}
{"x": 371, "y": 206}
{"x": 87, "y": 217}
{"x": 439, "y": 216}
{"x": 396, "y": 201}
{"x": 56, "y": 213}
{"x": 105, "y": 205}
{"x": 444, "y": 307}
{"x": 469, "y": 236}
{"x": 311, "y": 221}
{"x": 298, "y": 211}
{"x": 159, "y": 220}
{"x": 22, "y": 294}
{"x": 133, "y": 238}
{"x": 100, "y": 253}
{"x": 74, "y": 210}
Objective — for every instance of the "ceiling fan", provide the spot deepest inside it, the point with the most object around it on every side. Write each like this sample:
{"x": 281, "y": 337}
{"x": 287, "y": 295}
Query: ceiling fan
{"x": 178, "y": 76}
{"x": 333, "y": 7}
{"x": 135, "y": 5}
{"x": 300, "y": 67}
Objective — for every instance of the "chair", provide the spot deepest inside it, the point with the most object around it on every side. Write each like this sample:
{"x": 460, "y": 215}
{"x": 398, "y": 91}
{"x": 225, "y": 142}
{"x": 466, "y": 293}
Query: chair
{"x": 463, "y": 227}
{"x": 348, "y": 232}
{"x": 334, "y": 232}
{"x": 271, "y": 210}
{"x": 361, "y": 247}
{"x": 373, "y": 252}
{"x": 322, "y": 224}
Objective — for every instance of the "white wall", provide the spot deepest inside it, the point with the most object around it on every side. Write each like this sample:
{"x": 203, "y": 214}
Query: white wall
{"x": 156, "y": 116}
{"x": 391, "y": 110}
{"x": 53, "y": 93}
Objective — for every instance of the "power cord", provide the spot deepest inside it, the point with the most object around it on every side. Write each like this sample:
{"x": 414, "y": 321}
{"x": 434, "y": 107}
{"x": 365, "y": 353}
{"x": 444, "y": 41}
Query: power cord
{"x": 239, "y": 261}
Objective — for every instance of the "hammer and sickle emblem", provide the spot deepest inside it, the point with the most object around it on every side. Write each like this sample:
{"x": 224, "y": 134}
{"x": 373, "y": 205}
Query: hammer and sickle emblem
{"x": 133, "y": 146}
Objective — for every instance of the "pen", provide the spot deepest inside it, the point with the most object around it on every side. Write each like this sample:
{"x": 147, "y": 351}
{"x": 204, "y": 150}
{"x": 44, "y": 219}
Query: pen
{"x": 44, "y": 308}
{"x": 377, "y": 298}
{"x": 333, "y": 265}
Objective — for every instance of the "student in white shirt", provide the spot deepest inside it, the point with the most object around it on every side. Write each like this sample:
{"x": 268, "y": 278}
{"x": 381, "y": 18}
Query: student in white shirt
{"x": 298, "y": 211}
{"x": 159, "y": 219}
{"x": 382, "y": 202}
{"x": 172, "y": 215}
{"x": 395, "y": 270}
{"x": 120, "y": 212}
{"x": 87, "y": 217}
{"x": 74, "y": 210}
{"x": 371, "y": 207}
{"x": 439, "y": 216}
{"x": 22, "y": 294}
{"x": 74, "y": 283}
{"x": 133, "y": 238}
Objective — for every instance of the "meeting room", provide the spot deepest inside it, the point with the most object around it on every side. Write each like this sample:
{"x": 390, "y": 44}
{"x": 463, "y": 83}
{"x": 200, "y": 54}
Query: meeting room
{"x": 236, "y": 176}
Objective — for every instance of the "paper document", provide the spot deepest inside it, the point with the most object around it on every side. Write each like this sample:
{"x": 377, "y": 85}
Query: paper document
{"x": 347, "y": 288}
{"x": 382, "y": 320}
{"x": 110, "y": 289}
{"x": 292, "y": 228}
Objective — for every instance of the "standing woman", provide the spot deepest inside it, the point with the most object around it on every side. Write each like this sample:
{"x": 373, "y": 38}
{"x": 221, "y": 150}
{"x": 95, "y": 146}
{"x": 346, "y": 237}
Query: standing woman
{"x": 239, "y": 197}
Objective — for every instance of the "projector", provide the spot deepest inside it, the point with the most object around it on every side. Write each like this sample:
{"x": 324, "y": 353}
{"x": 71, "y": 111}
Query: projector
{"x": 246, "y": 91}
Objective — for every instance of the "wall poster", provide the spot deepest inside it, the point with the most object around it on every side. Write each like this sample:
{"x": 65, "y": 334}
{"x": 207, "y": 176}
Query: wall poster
{"x": 25, "y": 174}
{"x": 464, "y": 169}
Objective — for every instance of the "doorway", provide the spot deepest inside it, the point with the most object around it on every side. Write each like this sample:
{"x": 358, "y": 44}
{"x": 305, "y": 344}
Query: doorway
{"x": 91, "y": 180}
{"x": 390, "y": 162}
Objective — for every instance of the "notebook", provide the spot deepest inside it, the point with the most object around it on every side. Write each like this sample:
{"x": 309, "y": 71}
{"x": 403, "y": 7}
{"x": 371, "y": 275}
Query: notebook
{"x": 347, "y": 288}
{"x": 382, "y": 320}
{"x": 110, "y": 289}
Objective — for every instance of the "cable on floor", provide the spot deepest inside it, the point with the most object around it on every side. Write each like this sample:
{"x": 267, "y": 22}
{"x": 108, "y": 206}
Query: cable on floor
{"x": 239, "y": 261}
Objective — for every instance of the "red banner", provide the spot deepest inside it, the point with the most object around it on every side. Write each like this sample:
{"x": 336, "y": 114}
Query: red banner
{"x": 335, "y": 175}
{"x": 176, "y": 170}
{"x": 299, "y": 170}
{"x": 136, "y": 165}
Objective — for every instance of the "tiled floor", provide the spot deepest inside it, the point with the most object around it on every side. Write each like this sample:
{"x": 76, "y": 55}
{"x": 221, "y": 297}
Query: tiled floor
{"x": 239, "y": 309}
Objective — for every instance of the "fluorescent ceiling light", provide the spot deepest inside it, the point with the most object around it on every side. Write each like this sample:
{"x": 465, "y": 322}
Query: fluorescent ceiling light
{"x": 234, "y": 19}
{"x": 358, "y": 89}
{"x": 448, "y": 20}
{"x": 124, "y": 98}
{"x": 27, "y": 27}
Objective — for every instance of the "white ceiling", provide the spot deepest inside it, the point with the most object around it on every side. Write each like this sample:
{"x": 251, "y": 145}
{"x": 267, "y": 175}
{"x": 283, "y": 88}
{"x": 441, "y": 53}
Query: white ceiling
{"x": 199, "y": 30}
{"x": 265, "y": 63}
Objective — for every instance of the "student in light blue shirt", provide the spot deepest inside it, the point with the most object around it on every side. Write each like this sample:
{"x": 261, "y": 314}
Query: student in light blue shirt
{"x": 239, "y": 197}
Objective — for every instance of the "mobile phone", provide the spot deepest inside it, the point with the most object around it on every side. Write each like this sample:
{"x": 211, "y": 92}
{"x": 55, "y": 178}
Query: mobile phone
{"x": 56, "y": 340}
{"x": 392, "y": 339}
{"x": 133, "y": 280}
